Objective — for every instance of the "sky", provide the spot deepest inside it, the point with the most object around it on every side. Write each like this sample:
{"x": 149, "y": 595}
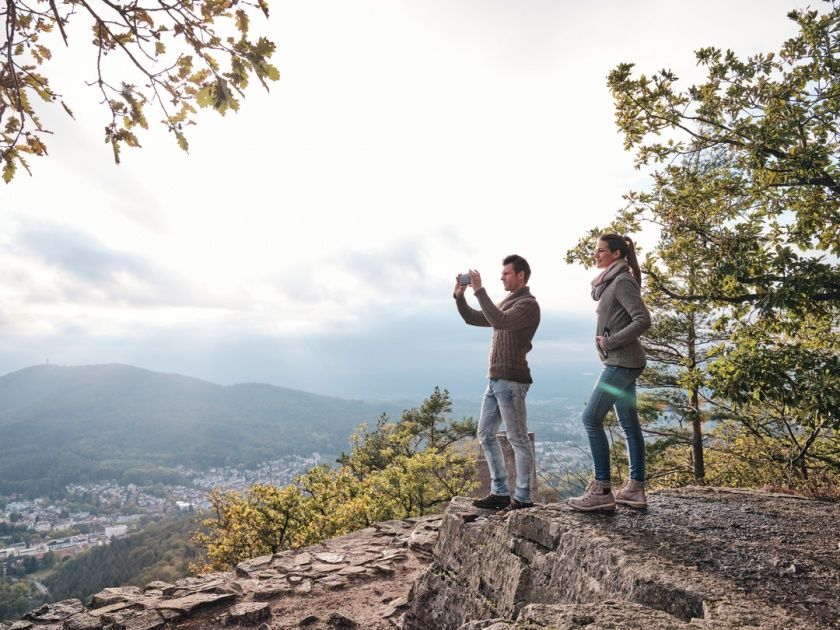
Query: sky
{"x": 311, "y": 239}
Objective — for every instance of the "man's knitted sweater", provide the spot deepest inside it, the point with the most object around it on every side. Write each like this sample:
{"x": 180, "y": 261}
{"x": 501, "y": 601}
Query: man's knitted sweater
{"x": 514, "y": 321}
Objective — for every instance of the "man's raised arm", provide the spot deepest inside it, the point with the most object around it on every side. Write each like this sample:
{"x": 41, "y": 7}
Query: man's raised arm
{"x": 524, "y": 313}
{"x": 470, "y": 315}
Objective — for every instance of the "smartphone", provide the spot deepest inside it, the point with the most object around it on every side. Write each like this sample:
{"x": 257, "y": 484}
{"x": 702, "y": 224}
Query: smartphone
{"x": 464, "y": 279}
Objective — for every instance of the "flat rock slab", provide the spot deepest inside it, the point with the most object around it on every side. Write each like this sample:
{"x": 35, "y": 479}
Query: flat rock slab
{"x": 56, "y": 612}
{"x": 110, "y": 609}
{"x": 82, "y": 621}
{"x": 109, "y": 596}
{"x": 189, "y": 604}
{"x": 271, "y": 590}
{"x": 322, "y": 567}
{"x": 249, "y": 613}
{"x": 244, "y": 569}
{"x": 144, "y": 620}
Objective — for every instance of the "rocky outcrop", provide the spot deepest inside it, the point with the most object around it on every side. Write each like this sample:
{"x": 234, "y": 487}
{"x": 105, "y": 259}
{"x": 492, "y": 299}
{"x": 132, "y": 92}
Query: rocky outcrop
{"x": 697, "y": 558}
{"x": 355, "y": 581}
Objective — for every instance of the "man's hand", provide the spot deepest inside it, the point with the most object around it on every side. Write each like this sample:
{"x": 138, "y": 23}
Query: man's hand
{"x": 476, "y": 280}
{"x": 459, "y": 288}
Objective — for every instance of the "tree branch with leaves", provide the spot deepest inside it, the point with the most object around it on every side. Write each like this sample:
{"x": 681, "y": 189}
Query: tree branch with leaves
{"x": 172, "y": 57}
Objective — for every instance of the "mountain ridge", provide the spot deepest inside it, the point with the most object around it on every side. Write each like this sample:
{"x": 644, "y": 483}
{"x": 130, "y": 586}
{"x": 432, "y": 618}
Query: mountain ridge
{"x": 99, "y": 419}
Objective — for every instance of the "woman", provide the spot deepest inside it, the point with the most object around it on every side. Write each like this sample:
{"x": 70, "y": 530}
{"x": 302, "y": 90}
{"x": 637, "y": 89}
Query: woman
{"x": 622, "y": 319}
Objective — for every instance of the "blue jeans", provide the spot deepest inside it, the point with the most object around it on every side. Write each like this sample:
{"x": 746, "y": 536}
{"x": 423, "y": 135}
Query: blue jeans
{"x": 616, "y": 387}
{"x": 505, "y": 400}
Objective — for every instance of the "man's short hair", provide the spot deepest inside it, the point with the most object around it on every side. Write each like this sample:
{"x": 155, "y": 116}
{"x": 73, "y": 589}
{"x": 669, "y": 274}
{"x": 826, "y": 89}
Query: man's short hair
{"x": 519, "y": 264}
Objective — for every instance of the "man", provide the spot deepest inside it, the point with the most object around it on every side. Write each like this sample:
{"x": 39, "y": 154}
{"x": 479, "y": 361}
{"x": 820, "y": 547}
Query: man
{"x": 514, "y": 321}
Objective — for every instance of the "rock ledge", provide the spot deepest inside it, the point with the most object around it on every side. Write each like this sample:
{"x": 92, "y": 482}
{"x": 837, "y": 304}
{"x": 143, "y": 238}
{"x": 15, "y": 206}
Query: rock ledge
{"x": 697, "y": 558}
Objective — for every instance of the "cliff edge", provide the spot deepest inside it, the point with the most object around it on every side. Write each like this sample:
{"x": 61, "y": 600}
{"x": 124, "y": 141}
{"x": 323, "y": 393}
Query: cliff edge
{"x": 697, "y": 558}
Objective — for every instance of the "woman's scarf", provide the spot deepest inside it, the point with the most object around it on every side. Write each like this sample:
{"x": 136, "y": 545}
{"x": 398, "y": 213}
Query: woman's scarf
{"x": 609, "y": 274}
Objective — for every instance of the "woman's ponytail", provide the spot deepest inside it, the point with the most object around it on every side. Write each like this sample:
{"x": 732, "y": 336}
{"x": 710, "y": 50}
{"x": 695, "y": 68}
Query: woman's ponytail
{"x": 632, "y": 261}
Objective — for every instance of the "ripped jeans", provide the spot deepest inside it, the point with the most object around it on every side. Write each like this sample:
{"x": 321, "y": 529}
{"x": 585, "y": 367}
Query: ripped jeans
{"x": 616, "y": 387}
{"x": 505, "y": 400}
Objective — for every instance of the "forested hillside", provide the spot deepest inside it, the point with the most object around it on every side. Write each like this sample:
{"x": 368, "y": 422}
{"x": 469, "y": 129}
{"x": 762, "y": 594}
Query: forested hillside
{"x": 162, "y": 551}
{"x": 69, "y": 424}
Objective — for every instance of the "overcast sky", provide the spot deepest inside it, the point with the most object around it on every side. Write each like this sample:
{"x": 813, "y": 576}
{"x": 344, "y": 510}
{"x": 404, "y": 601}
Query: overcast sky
{"x": 311, "y": 239}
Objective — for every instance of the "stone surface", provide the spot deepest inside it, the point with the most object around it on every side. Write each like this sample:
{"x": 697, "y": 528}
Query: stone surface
{"x": 109, "y": 596}
{"x": 698, "y": 558}
{"x": 607, "y": 614}
{"x": 334, "y": 582}
{"x": 55, "y": 612}
{"x": 424, "y": 536}
{"x": 189, "y": 604}
{"x": 110, "y": 609}
{"x": 337, "y": 620}
{"x": 82, "y": 621}
{"x": 712, "y": 558}
{"x": 143, "y": 620}
{"x": 244, "y": 569}
{"x": 319, "y": 580}
{"x": 270, "y": 590}
{"x": 249, "y": 613}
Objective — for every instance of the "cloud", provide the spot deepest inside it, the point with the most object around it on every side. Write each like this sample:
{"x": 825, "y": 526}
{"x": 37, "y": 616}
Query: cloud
{"x": 60, "y": 265}
{"x": 389, "y": 267}
{"x": 404, "y": 272}
{"x": 81, "y": 255}
{"x": 54, "y": 276}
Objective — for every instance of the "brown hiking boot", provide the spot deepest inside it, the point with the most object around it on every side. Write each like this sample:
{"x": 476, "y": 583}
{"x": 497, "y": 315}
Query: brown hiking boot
{"x": 596, "y": 498}
{"x": 492, "y": 502}
{"x": 514, "y": 505}
{"x": 632, "y": 493}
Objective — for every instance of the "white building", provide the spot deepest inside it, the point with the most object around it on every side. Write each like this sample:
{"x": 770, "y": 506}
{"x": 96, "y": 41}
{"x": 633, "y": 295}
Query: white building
{"x": 116, "y": 531}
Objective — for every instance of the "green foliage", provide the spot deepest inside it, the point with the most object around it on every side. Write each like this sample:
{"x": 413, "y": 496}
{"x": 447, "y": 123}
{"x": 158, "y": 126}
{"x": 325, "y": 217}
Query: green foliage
{"x": 190, "y": 54}
{"x": 16, "y": 599}
{"x": 11, "y": 533}
{"x": 265, "y": 520}
{"x": 162, "y": 551}
{"x": 776, "y": 118}
{"x": 741, "y": 457}
{"x": 743, "y": 282}
{"x": 426, "y": 427}
{"x": 400, "y": 469}
{"x": 784, "y": 366}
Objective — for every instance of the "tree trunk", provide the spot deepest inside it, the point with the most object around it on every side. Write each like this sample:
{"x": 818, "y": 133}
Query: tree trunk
{"x": 697, "y": 437}
{"x": 694, "y": 404}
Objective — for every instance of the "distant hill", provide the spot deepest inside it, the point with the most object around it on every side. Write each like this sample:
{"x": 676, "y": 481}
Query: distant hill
{"x": 61, "y": 424}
